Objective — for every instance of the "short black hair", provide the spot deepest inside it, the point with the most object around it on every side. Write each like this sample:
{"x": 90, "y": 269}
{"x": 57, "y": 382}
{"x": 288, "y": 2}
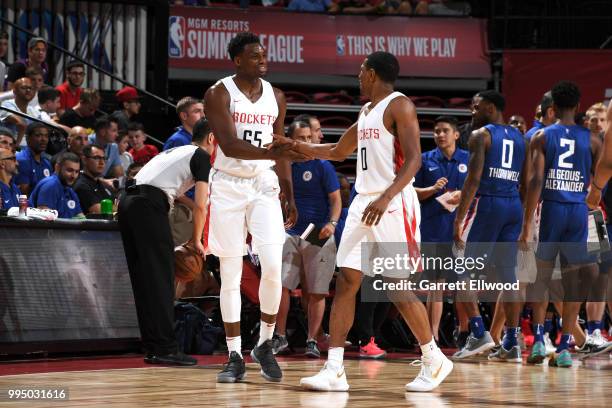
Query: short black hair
{"x": 73, "y": 64}
{"x": 4, "y": 131}
{"x": 47, "y": 93}
{"x": 297, "y": 124}
{"x": 579, "y": 118}
{"x": 68, "y": 156}
{"x": 201, "y": 129}
{"x": 135, "y": 126}
{"x": 493, "y": 97}
{"x": 87, "y": 149}
{"x": 134, "y": 165}
{"x": 33, "y": 126}
{"x": 565, "y": 94}
{"x": 384, "y": 64}
{"x": 304, "y": 117}
{"x": 546, "y": 102}
{"x": 241, "y": 40}
{"x": 104, "y": 123}
{"x": 4, "y": 35}
{"x": 451, "y": 120}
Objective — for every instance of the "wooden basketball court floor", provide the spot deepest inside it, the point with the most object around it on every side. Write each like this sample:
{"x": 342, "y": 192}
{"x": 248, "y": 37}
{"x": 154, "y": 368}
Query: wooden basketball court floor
{"x": 373, "y": 384}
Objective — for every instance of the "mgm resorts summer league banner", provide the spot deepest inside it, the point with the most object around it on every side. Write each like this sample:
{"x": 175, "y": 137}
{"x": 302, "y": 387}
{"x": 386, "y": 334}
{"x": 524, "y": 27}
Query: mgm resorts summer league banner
{"x": 324, "y": 44}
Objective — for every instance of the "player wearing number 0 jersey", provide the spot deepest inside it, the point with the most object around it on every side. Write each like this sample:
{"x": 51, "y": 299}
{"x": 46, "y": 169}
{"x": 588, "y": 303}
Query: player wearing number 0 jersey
{"x": 563, "y": 156}
{"x": 385, "y": 210}
{"x": 489, "y": 217}
{"x": 244, "y": 111}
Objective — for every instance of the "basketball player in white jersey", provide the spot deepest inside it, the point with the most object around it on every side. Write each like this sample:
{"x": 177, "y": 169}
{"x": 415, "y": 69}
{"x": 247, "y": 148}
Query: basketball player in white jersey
{"x": 244, "y": 112}
{"x": 386, "y": 210}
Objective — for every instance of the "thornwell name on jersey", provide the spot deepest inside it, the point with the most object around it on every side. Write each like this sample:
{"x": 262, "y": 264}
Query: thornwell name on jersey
{"x": 503, "y": 174}
{"x": 564, "y": 180}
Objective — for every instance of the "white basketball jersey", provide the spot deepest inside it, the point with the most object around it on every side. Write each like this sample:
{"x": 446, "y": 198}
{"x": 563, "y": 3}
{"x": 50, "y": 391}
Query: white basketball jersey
{"x": 379, "y": 155}
{"x": 169, "y": 171}
{"x": 254, "y": 124}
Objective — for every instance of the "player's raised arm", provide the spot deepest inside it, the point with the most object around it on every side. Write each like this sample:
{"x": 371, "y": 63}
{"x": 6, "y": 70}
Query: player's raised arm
{"x": 478, "y": 143}
{"x": 331, "y": 151}
{"x": 283, "y": 166}
{"x": 537, "y": 156}
{"x": 217, "y": 101}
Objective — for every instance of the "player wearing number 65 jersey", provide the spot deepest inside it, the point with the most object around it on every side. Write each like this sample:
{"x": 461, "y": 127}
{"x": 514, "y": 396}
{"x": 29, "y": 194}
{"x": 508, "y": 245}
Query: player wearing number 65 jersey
{"x": 563, "y": 157}
{"x": 244, "y": 111}
{"x": 385, "y": 210}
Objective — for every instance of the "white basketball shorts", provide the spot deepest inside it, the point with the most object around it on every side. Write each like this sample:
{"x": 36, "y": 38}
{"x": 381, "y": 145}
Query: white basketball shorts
{"x": 237, "y": 205}
{"x": 399, "y": 224}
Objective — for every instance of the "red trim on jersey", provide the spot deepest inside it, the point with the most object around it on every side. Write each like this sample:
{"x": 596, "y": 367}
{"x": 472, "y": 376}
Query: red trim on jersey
{"x": 213, "y": 156}
{"x": 207, "y": 222}
{"x": 410, "y": 227}
{"x": 398, "y": 157}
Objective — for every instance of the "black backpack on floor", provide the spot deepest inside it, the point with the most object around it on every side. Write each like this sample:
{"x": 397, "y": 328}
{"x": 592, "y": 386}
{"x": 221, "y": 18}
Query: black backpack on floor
{"x": 195, "y": 333}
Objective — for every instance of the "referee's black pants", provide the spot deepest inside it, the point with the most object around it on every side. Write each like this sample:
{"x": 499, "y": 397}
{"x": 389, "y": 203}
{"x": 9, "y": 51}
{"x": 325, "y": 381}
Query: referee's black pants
{"x": 149, "y": 249}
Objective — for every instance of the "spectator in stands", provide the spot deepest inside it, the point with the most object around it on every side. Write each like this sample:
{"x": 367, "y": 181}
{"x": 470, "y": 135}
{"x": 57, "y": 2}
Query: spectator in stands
{"x": 37, "y": 53}
{"x": 124, "y": 155}
{"x": 49, "y": 102}
{"x": 130, "y": 179}
{"x": 315, "y": 126}
{"x": 596, "y": 119}
{"x": 3, "y": 58}
{"x": 88, "y": 187}
{"x": 23, "y": 92}
{"x": 36, "y": 76}
{"x": 140, "y": 151}
{"x": 77, "y": 139}
{"x": 70, "y": 91}
{"x": 129, "y": 100}
{"x": 56, "y": 192}
{"x": 105, "y": 136}
{"x": 4, "y": 44}
{"x": 189, "y": 110}
{"x": 7, "y": 139}
{"x": 518, "y": 122}
{"x": 356, "y": 6}
{"x": 33, "y": 167}
{"x": 9, "y": 192}
{"x": 83, "y": 114}
{"x": 316, "y": 6}
{"x": 317, "y": 197}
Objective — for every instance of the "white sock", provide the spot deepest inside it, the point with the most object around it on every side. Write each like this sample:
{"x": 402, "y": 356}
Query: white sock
{"x": 234, "y": 344}
{"x": 429, "y": 349}
{"x": 335, "y": 357}
{"x": 266, "y": 331}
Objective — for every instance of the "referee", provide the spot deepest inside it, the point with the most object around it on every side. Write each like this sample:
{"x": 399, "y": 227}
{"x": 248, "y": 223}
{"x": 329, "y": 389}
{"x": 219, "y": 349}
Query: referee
{"x": 147, "y": 240}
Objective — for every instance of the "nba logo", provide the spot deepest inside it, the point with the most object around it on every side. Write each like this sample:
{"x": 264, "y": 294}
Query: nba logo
{"x": 176, "y": 39}
{"x": 340, "y": 46}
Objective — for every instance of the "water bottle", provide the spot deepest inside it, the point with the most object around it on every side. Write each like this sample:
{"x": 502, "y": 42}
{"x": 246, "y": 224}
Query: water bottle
{"x": 106, "y": 208}
{"x": 23, "y": 206}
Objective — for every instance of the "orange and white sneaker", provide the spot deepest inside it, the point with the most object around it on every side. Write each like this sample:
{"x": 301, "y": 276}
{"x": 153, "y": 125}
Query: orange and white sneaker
{"x": 371, "y": 350}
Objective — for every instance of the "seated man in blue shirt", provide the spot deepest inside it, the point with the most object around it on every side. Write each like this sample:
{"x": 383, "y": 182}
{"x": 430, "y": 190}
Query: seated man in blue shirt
{"x": 56, "y": 192}
{"x": 311, "y": 260}
{"x": 33, "y": 167}
{"x": 443, "y": 170}
{"x": 107, "y": 129}
{"x": 9, "y": 192}
{"x": 189, "y": 111}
